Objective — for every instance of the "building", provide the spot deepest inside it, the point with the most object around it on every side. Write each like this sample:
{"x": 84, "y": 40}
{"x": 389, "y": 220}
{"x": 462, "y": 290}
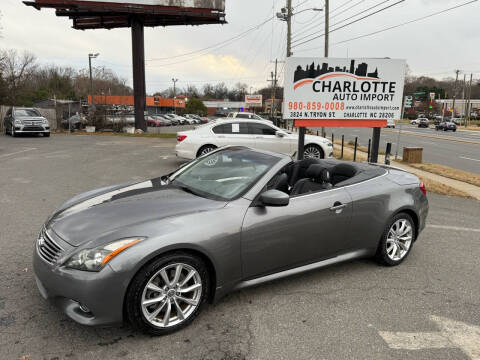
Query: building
{"x": 154, "y": 104}
{"x": 460, "y": 106}
{"x": 219, "y": 107}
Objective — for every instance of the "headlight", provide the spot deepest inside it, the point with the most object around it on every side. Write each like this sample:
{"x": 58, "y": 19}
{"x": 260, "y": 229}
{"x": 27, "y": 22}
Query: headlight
{"x": 95, "y": 259}
{"x": 45, "y": 122}
{"x": 18, "y": 122}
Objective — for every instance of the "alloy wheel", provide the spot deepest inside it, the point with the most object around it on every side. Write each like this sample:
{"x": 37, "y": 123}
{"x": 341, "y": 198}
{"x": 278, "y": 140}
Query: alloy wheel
{"x": 312, "y": 152}
{"x": 399, "y": 239}
{"x": 206, "y": 150}
{"x": 172, "y": 295}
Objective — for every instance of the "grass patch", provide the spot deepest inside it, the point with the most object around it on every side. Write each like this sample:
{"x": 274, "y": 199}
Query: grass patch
{"x": 449, "y": 172}
{"x": 436, "y": 187}
{"x": 145, "y": 135}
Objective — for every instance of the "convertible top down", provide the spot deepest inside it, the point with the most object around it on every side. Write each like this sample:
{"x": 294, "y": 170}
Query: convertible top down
{"x": 153, "y": 252}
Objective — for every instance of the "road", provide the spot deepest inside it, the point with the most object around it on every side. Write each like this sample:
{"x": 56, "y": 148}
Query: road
{"x": 356, "y": 310}
{"x": 461, "y": 150}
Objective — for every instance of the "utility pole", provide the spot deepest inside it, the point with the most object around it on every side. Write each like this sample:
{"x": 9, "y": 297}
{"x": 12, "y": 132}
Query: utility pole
{"x": 274, "y": 81}
{"x": 467, "y": 116}
{"x": 289, "y": 28}
{"x": 455, "y": 92}
{"x": 174, "y": 95}
{"x": 327, "y": 35}
{"x": 90, "y": 57}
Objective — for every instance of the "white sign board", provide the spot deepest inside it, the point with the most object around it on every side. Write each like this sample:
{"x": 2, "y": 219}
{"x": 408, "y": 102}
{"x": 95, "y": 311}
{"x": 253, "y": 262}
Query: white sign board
{"x": 254, "y": 100}
{"x": 368, "y": 91}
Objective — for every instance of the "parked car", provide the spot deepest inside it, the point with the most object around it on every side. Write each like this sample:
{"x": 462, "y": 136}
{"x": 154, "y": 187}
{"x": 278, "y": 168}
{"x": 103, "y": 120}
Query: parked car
{"x": 22, "y": 120}
{"x": 76, "y": 121}
{"x": 423, "y": 123}
{"x": 252, "y": 133}
{"x": 154, "y": 252}
{"x": 391, "y": 123}
{"x": 175, "y": 121}
{"x": 164, "y": 120}
{"x": 446, "y": 125}
{"x": 458, "y": 121}
{"x": 246, "y": 115}
{"x": 195, "y": 119}
{"x": 153, "y": 121}
{"x": 414, "y": 122}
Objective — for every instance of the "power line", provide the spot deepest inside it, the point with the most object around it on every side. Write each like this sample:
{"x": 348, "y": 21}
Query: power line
{"x": 350, "y": 23}
{"x": 316, "y": 25}
{"x": 406, "y": 23}
{"x": 395, "y": 26}
{"x": 217, "y": 45}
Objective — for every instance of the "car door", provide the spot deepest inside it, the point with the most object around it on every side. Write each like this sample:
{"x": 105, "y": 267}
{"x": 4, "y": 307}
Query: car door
{"x": 234, "y": 133}
{"x": 266, "y": 138}
{"x": 311, "y": 228}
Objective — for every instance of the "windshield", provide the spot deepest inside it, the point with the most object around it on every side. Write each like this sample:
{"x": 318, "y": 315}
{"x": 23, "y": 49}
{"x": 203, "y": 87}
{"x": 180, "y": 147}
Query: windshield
{"x": 27, "y": 113}
{"x": 224, "y": 175}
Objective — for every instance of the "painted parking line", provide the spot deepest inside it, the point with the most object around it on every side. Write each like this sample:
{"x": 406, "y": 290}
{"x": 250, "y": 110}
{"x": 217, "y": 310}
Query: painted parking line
{"x": 453, "y": 228}
{"x": 18, "y": 152}
{"x": 467, "y": 158}
{"x": 451, "y": 334}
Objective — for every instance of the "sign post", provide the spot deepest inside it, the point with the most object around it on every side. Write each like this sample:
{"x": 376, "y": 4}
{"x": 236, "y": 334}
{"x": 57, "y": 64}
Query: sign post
{"x": 336, "y": 92}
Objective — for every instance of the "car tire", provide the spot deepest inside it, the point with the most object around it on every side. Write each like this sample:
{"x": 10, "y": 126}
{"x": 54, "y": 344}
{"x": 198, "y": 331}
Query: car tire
{"x": 140, "y": 289}
{"x": 394, "y": 248}
{"x": 205, "y": 149}
{"x": 313, "y": 151}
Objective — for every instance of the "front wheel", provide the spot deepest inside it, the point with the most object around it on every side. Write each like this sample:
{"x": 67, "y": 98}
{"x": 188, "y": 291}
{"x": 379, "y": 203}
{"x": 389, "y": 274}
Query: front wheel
{"x": 397, "y": 240}
{"x": 167, "y": 294}
{"x": 313, "y": 152}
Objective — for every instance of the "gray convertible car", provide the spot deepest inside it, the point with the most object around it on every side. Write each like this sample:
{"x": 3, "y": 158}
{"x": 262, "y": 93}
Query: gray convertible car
{"x": 153, "y": 252}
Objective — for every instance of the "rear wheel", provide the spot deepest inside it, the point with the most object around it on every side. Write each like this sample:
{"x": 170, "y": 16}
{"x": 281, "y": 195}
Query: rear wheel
{"x": 205, "y": 150}
{"x": 313, "y": 151}
{"x": 167, "y": 294}
{"x": 397, "y": 240}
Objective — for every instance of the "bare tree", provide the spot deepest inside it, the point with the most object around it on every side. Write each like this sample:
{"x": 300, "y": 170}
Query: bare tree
{"x": 18, "y": 70}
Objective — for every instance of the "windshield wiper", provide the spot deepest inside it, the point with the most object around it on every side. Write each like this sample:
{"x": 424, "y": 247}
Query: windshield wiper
{"x": 187, "y": 189}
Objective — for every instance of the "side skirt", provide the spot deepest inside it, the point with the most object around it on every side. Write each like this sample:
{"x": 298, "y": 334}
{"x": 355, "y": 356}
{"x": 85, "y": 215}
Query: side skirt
{"x": 335, "y": 260}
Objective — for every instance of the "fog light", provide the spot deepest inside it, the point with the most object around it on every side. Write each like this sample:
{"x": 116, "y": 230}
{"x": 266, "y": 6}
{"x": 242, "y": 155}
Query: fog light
{"x": 84, "y": 309}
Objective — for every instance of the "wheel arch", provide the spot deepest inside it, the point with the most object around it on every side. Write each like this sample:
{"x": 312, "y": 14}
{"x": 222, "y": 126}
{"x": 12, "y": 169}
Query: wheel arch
{"x": 413, "y": 214}
{"x": 204, "y": 145}
{"x": 322, "y": 150}
{"x": 212, "y": 273}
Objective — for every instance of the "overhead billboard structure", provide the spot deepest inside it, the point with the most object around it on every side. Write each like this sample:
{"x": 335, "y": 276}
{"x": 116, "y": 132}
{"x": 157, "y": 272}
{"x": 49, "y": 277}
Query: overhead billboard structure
{"x": 109, "y": 14}
{"x": 336, "y": 92}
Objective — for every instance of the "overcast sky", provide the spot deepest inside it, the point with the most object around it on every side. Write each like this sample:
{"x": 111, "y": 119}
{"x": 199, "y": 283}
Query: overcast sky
{"x": 434, "y": 47}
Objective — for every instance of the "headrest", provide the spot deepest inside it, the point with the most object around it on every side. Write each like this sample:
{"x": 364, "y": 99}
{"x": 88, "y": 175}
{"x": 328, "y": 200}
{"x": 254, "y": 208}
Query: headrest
{"x": 344, "y": 169}
{"x": 318, "y": 172}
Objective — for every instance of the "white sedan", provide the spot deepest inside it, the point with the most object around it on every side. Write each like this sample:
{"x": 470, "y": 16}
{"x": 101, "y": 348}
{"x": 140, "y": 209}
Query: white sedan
{"x": 252, "y": 133}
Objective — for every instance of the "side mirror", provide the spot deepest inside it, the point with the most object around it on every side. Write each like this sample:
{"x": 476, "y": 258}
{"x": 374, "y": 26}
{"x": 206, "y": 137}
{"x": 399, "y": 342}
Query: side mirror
{"x": 280, "y": 134}
{"x": 274, "y": 198}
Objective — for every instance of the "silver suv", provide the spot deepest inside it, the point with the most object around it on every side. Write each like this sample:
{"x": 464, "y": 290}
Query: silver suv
{"x": 25, "y": 121}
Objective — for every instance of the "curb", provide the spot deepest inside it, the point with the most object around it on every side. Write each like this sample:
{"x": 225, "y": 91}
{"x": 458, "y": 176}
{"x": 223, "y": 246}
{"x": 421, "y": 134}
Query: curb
{"x": 436, "y": 137}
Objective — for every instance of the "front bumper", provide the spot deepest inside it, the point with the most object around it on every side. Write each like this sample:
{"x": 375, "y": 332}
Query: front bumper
{"x": 28, "y": 129}
{"x": 102, "y": 293}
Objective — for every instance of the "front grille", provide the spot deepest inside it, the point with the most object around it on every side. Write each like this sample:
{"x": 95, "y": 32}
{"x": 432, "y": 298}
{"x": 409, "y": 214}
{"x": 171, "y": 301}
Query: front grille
{"x": 47, "y": 248}
{"x": 32, "y": 128}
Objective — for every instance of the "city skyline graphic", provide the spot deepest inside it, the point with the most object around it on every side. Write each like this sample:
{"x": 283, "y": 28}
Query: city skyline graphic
{"x": 311, "y": 72}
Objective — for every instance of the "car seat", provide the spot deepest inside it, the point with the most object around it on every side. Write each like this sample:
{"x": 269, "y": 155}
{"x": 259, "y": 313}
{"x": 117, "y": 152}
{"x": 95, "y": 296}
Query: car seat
{"x": 342, "y": 172}
{"x": 281, "y": 183}
{"x": 318, "y": 179}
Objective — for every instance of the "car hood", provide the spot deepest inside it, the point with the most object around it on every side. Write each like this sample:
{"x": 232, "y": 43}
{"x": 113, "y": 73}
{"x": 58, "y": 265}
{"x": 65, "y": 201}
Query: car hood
{"x": 116, "y": 208}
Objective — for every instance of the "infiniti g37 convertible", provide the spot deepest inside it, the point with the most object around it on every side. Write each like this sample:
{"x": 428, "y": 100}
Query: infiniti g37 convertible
{"x": 153, "y": 252}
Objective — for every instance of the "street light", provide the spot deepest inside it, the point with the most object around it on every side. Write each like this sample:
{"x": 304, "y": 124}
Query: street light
{"x": 174, "y": 95}
{"x": 90, "y": 57}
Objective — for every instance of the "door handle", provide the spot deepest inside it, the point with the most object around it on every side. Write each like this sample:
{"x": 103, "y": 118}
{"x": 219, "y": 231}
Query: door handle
{"x": 221, "y": 136}
{"x": 338, "y": 207}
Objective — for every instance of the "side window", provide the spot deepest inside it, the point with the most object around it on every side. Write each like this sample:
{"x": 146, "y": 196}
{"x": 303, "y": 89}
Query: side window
{"x": 261, "y": 129}
{"x": 233, "y": 128}
{"x": 243, "y": 116}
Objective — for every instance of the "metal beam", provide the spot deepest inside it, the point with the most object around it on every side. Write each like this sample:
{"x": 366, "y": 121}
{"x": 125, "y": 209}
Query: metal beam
{"x": 138, "y": 61}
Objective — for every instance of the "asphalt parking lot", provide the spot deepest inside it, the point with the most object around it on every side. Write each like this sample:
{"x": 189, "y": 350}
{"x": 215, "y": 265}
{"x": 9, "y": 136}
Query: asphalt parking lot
{"x": 428, "y": 308}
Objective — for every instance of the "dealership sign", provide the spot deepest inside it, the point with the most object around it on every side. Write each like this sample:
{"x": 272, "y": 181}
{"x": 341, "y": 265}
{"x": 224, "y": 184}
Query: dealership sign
{"x": 343, "y": 92}
{"x": 253, "y": 100}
